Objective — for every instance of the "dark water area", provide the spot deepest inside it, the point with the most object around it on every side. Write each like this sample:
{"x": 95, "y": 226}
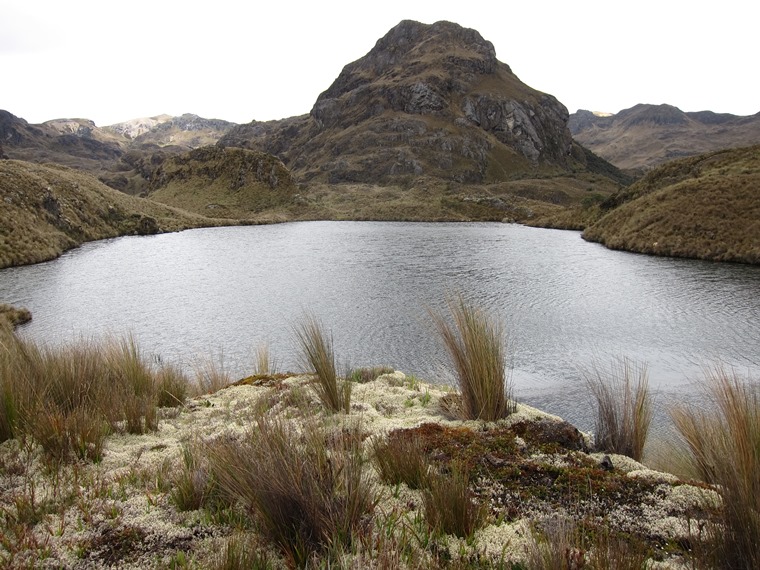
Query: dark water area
{"x": 567, "y": 304}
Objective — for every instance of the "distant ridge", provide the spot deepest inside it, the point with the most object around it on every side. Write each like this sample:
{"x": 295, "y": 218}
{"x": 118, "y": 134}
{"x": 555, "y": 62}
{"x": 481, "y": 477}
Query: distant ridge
{"x": 705, "y": 207}
{"x": 648, "y": 135}
{"x": 122, "y": 156}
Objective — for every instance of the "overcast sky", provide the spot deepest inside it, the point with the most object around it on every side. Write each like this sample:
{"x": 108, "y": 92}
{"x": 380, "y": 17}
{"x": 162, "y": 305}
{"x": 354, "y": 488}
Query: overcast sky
{"x": 244, "y": 60}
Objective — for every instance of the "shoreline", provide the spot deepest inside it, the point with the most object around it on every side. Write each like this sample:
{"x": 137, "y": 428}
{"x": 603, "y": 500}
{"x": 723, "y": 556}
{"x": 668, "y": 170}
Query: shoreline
{"x": 131, "y": 488}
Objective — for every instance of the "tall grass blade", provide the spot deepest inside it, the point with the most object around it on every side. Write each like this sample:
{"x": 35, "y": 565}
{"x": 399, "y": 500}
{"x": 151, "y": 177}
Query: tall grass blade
{"x": 476, "y": 344}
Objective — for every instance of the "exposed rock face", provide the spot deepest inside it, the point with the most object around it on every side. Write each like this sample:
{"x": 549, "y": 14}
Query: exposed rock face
{"x": 427, "y": 99}
{"x": 645, "y": 136}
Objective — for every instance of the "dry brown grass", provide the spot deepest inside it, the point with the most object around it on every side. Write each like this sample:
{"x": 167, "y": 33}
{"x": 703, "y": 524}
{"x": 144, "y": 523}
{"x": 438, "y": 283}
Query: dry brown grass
{"x": 69, "y": 398}
{"x": 210, "y": 374}
{"x": 725, "y": 450}
{"x": 264, "y": 361}
{"x": 399, "y": 459}
{"x": 476, "y": 344}
{"x": 308, "y": 490}
{"x": 623, "y": 407}
{"x": 560, "y": 544}
{"x": 317, "y": 355}
{"x": 449, "y": 504}
{"x": 704, "y": 207}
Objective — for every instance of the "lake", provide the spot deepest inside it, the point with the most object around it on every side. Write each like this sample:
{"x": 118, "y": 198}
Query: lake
{"x": 567, "y": 304}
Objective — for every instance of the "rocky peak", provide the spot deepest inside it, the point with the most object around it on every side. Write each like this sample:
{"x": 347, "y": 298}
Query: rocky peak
{"x": 427, "y": 99}
{"x": 135, "y": 127}
{"x": 78, "y": 127}
{"x": 653, "y": 114}
{"x": 411, "y": 50}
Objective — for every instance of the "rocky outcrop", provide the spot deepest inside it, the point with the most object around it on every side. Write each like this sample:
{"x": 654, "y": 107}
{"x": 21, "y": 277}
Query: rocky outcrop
{"x": 225, "y": 182}
{"x": 426, "y": 100}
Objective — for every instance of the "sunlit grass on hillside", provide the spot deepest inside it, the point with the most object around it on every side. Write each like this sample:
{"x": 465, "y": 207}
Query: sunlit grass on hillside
{"x": 704, "y": 207}
{"x": 47, "y": 209}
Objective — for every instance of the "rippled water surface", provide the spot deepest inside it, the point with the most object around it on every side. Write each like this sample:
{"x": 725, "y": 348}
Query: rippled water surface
{"x": 566, "y": 303}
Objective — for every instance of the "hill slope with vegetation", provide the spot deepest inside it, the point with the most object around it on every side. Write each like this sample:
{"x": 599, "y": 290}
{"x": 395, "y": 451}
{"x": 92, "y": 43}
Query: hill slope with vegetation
{"x": 47, "y": 209}
{"x": 705, "y": 207}
{"x": 645, "y": 136}
{"x": 224, "y": 182}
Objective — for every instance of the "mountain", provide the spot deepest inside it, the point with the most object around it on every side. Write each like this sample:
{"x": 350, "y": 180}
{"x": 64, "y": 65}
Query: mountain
{"x": 47, "y": 209}
{"x": 72, "y": 142}
{"x": 705, "y": 207}
{"x": 427, "y": 101}
{"x": 120, "y": 155}
{"x": 188, "y": 130}
{"x": 647, "y": 135}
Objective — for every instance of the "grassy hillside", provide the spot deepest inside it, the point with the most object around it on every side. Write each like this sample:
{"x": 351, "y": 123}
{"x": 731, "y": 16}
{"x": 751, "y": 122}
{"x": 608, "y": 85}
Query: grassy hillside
{"x": 705, "y": 207}
{"x": 226, "y": 183}
{"x": 47, "y": 209}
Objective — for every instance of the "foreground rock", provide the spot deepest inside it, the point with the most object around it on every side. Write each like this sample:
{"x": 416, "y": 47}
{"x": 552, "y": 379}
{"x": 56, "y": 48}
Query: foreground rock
{"x": 525, "y": 469}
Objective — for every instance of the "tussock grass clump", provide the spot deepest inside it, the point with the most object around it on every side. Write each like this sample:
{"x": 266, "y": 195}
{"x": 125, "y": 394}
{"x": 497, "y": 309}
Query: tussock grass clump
{"x": 318, "y": 355}
{"x": 70, "y": 398}
{"x": 264, "y": 363}
{"x": 368, "y": 374}
{"x": 172, "y": 385}
{"x": 725, "y": 450}
{"x": 242, "y": 552}
{"x": 477, "y": 348}
{"x": 624, "y": 407}
{"x": 210, "y": 375}
{"x": 308, "y": 491}
{"x": 400, "y": 459}
{"x": 561, "y": 544}
{"x": 449, "y": 504}
{"x": 193, "y": 487}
